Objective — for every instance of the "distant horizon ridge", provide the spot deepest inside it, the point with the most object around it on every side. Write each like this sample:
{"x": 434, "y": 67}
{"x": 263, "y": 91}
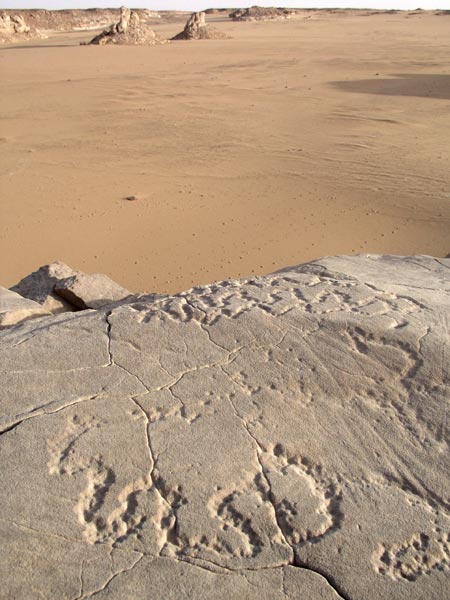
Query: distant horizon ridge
{"x": 197, "y": 5}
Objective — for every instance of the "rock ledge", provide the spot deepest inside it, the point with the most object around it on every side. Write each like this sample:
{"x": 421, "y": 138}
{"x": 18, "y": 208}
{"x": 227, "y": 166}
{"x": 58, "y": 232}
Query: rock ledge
{"x": 284, "y": 436}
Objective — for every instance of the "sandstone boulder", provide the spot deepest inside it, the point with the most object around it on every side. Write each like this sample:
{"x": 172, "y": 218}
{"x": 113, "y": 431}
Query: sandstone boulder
{"x": 279, "y": 437}
{"x": 40, "y": 285}
{"x": 90, "y": 291}
{"x": 129, "y": 30}
{"x": 15, "y": 309}
{"x": 197, "y": 29}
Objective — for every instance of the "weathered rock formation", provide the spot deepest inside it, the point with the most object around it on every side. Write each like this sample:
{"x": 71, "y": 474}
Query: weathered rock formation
{"x": 277, "y": 437}
{"x": 90, "y": 291}
{"x": 58, "y": 288}
{"x": 128, "y": 31}
{"x": 14, "y": 29}
{"x": 40, "y": 287}
{"x": 14, "y": 24}
{"x": 77, "y": 19}
{"x": 197, "y": 29}
{"x": 259, "y": 13}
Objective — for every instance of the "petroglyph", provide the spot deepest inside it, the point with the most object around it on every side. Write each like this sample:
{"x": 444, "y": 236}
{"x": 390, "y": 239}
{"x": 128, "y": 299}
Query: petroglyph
{"x": 277, "y": 295}
{"x": 122, "y": 522}
{"x": 61, "y": 448}
{"x": 307, "y": 501}
{"x": 233, "y": 510}
{"x": 418, "y": 556}
{"x": 100, "y": 522}
{"x": 278, "y": 431}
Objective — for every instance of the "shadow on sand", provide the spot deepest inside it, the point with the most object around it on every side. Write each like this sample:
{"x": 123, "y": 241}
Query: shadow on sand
{"x": 40, "y": 46}
{"x": 419, "y": 85}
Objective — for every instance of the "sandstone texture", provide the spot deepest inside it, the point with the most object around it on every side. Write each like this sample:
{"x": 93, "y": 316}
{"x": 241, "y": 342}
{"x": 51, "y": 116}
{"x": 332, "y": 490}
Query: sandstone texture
{"x": 197, "y": 29}
{"x": 40, "y": 287}
{"x": 15, "y": 309}
{"x": 13, "y": 28}
{"x": 90, "y": 291}
{"x": 59, "y": 288}
{"x": 76, "y": 19}
{"x": 259, "y": 13}
{"x": 277, "y": 437}
{"x": 129, "y": 30}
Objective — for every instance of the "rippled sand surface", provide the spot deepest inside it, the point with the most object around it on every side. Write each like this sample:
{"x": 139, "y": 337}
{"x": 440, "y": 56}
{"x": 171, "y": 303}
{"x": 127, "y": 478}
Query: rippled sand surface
{"x": 292, "y": 140}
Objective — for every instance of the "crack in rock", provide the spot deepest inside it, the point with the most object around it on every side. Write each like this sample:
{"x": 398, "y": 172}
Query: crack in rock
{"x": 297, "y": 421}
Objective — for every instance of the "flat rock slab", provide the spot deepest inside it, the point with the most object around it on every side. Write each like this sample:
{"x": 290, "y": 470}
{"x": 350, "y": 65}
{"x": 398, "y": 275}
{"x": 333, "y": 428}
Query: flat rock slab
{"x": 90, "y": 291}
{"x": 278, "y": 437}
{"x": 15, "y": 309}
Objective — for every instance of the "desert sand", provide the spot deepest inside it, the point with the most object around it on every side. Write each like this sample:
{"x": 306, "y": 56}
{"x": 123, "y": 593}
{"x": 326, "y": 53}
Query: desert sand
{"x": 292, "y": 140}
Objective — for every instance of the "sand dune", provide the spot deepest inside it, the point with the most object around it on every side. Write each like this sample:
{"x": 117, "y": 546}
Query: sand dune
{"x": 292, "y": 140}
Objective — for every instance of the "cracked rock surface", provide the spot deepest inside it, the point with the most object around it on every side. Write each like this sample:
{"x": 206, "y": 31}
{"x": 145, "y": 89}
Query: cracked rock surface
{"x": 278, "y": 437}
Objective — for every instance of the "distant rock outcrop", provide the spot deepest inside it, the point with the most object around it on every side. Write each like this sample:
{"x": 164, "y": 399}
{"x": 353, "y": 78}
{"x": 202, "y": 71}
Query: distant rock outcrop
{"x": 13, "y": 28}
{"x": 77, "y": 19}
{"x": 259, "y": 13}
{"x": 129, "y": 30}
{"x": 197, "y": 29}
{"x": 282, "y": 437}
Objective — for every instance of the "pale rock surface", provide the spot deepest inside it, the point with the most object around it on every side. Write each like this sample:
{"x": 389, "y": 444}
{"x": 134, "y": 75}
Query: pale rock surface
{"x": 15, "y": 24}
{"x": 76, "y": 19}
{"x": 129, "y": 30}
{"x": 197, "y": 29}
{"x": 40, "y": 285}
{"x": 260, "y": 13}
{"x": 278, "y": 437}
{"x": 13, "y": 28}
{"x": 15, "y": 309}
{"x": 90, "y": 291}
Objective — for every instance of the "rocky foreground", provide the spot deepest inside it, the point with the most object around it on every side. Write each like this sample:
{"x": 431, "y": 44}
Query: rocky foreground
{"x": 280, "y": 437}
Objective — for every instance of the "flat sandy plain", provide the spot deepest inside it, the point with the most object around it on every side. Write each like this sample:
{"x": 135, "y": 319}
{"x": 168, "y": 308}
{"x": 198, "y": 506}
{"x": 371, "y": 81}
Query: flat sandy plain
{"x": 290, "y": 141}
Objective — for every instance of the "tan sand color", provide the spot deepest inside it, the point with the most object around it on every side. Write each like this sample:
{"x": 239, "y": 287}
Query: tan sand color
{"x": 322, "y": 134}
